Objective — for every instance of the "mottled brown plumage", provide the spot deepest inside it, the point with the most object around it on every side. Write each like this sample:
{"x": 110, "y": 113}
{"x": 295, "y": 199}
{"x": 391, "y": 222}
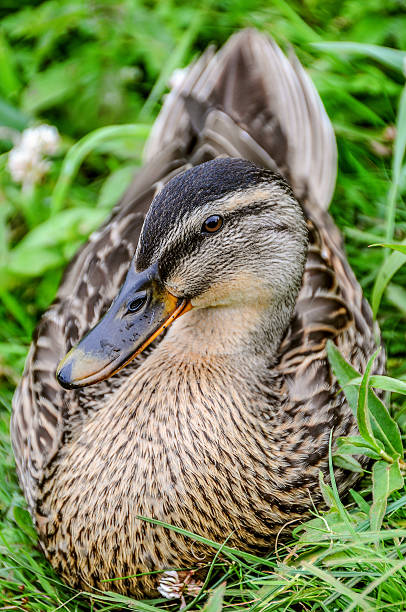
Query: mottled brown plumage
{"x": 223, "y": 424}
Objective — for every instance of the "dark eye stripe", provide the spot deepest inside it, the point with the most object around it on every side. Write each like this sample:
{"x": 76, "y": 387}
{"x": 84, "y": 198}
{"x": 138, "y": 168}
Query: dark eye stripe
{"x": 212, "y": 224}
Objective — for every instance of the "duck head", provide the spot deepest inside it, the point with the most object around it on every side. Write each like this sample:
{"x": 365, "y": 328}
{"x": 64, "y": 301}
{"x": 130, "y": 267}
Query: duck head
{"x": 223, "y": 235}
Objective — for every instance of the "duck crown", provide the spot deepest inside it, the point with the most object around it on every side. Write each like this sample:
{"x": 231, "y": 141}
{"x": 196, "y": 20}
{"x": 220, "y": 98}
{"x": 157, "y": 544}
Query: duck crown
{"x": 195, "y": 189}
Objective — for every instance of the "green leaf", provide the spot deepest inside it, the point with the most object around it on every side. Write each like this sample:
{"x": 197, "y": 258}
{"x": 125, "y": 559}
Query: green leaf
{"x": 51, "y": 87}
{"x": 215, "y": 602}
{"x": 396, "y": 295}
{"x": 347, "y": 462}
{"x": 17, "y": 311}
{"x": 360, "y": 501}
{"x": 385, "y": 55}
{"x": 386, "y": 383}
{"x": 363, "y": 419}
{"x": 349, "y": 449}
{"x": 115, "y": 186}
{"x": 386, "y": 478}
{"x": 396, "y": 247}
{"x": 24, "y": 521}
{"x": 173, "y": 61}
{"x": 327, "y": 493}
{"x": 34, "y": 262}
{"x": 384, "y": 428}
{"x": 356, "y": 441}
{"x": 65, "y": 227}
{"x": 344, "y": 373}
{"x": 12, "y": 117}
{"x": 41, "y": 249}
{"x": 387, "y": 270}
{"x": 327, "y": 526}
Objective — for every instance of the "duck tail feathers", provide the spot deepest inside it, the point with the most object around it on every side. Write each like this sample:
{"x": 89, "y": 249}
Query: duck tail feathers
{"x": 250, "y": 100}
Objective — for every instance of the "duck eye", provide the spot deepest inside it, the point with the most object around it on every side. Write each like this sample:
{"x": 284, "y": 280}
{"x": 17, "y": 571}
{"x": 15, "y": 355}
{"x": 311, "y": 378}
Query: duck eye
{"x": 136, "y": 304}
{"x": 212, "y": 224}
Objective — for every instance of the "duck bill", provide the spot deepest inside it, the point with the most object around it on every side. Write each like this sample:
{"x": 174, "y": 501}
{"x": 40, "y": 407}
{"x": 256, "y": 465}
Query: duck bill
{"x": 142, "y": 310}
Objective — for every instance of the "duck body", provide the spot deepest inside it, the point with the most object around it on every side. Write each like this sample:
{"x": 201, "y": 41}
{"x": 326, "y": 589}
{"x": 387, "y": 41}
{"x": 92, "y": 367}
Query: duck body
{"x": 200, "y": 464}
{"x": 216, "y": 453}
{"x": 222, "y": 424}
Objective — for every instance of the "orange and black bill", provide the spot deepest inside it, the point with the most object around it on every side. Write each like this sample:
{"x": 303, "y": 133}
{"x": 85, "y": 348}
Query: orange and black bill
{"x": 141, "y": 311}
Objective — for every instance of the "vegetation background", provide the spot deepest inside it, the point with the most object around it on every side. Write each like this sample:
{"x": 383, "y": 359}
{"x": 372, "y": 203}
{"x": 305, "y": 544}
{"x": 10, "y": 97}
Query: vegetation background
{"x": 82, "y": 65}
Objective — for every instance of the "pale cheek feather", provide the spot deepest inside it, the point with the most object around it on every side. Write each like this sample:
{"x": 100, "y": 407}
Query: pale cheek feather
{"x": 241, "y": 289}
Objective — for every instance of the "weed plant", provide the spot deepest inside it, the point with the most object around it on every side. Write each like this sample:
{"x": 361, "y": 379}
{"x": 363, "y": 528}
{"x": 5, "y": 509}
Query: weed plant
{"x": 97, "y": 71}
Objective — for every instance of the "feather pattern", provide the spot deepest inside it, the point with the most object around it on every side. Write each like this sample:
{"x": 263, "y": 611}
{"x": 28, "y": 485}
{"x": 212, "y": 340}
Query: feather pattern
{"x": 247, "y": 101}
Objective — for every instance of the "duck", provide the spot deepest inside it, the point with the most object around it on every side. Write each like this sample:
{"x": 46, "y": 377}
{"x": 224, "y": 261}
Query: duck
{"x": 181, "y": 373}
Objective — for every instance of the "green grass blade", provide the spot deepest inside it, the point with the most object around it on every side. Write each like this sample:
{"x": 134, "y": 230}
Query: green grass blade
{"x": 385, "y": 55}
{"x": 389, "y": 267}
{"x": 82, "y": 148}
{"x": 9, "y": 82}
{"x": 381, "y": 580}
{"x": 337, "y": 585}
{"x": 398, "y": 155}
{"x": 132, "y": 604}
{"x": 210, "y": 571}
{"x": 227, "y": 550}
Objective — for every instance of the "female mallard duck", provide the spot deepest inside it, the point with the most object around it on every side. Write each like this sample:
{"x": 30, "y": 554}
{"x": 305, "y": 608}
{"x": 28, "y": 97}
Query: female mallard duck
{"x": 222, "y": 424}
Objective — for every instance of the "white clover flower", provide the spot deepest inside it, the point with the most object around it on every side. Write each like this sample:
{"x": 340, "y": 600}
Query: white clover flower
{"x": 169, "y": 585}
{"x": 25, "y": 160}
{"x": 42, "y": 138}
{"x": 26, "y": 166}
{"x": 175, "y": 585}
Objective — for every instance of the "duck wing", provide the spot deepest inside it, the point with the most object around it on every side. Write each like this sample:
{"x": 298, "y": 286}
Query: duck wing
{"x": 248, "y": 100}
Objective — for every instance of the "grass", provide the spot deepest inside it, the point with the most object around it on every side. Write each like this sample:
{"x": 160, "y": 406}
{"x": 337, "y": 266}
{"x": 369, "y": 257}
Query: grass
{"x": 98, "y": 71}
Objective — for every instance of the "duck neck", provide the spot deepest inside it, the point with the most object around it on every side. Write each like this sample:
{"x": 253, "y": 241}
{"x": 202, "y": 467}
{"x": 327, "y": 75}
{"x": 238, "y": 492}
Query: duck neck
{"x": 251, "y": 330}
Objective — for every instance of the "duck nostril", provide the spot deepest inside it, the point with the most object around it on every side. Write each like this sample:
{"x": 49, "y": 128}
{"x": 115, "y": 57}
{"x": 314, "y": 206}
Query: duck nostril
{"x": 106, "y": 345}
